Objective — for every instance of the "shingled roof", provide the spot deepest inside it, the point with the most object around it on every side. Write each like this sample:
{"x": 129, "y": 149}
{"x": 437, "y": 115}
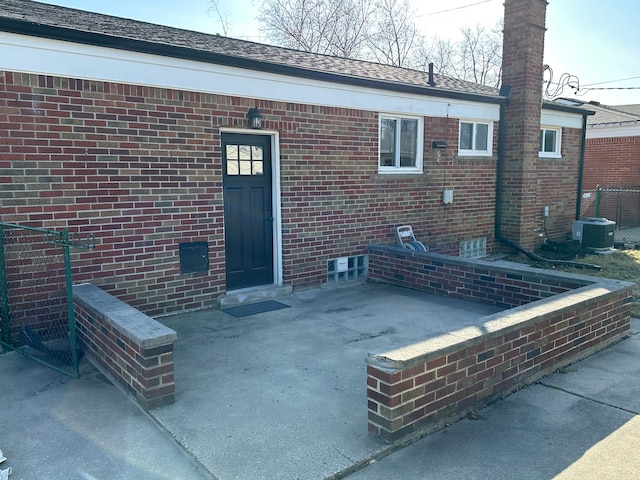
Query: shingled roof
{"x": 614, "y": 114}
{"x": 49, "y": 21}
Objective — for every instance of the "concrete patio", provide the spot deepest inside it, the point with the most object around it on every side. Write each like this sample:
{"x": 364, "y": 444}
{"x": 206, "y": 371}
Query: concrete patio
{"x": 280, "y": 395}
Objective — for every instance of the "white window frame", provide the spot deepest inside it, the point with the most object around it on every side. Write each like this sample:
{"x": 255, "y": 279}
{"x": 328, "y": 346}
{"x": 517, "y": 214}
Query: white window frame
{"x": 397, "y": 169}
{"x": 473, "y": 152}
{"x": 557, "y": 150}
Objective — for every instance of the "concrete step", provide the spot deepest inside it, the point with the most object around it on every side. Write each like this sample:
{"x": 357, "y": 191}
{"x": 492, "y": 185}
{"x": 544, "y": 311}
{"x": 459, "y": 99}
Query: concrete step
{"x": 253, "y": 295}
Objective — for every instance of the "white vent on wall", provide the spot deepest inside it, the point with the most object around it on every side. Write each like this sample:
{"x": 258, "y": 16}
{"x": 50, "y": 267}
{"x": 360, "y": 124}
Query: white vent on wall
{"x": 347, "y": 268}
{"x": 474, "y": 248}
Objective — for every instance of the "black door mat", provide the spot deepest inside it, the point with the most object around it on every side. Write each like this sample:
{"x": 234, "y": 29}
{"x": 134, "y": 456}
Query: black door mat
{"x": 253, "y": 308}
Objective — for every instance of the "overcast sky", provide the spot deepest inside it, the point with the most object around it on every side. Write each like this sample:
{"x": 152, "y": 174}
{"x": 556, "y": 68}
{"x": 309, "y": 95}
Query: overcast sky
{"x": 598, "y": 41}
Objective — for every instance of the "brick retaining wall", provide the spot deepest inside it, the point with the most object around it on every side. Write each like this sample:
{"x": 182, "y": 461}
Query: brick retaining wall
{"x": 559, "y": 320}
{"x": 131, "y": 348}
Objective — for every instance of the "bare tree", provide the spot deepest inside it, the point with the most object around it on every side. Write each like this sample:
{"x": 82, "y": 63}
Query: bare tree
{"x": 395, "y": 34}
{"x": 334, "y": 27}
{"x": 477, "y": 57}
{"x": 223, "y": 19}
{"x": 383, "y": 31}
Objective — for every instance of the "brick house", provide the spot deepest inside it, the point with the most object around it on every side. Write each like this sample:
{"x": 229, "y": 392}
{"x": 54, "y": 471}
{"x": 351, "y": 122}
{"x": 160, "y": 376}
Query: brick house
{"x": 612, "y": 154}
{"x": 139, "y": 134}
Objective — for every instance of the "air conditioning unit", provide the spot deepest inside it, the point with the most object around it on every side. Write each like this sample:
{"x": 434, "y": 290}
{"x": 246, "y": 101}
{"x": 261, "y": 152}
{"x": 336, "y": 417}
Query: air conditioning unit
{"x": 594, "y": 233}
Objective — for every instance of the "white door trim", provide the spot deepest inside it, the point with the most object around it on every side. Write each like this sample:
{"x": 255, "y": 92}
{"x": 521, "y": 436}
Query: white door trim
{"x": 275, "y": 195}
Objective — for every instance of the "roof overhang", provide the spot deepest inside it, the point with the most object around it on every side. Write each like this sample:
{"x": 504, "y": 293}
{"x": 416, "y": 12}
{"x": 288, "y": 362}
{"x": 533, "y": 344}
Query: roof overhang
{"x": 141, "y": 46}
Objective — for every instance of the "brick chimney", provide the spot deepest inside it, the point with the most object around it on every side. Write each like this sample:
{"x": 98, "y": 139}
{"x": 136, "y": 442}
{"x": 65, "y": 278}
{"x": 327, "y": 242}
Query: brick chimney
{"x": 522, "y": 69}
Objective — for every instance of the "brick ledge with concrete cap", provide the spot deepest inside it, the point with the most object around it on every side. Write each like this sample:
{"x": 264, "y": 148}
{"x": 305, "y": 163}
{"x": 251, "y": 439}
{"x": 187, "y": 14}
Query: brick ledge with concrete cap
{"x": 130, "y": 347}
{"x": 421, "y": 387}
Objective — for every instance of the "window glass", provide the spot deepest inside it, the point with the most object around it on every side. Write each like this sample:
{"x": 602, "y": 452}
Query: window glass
{"x": 408, "y": 142}
{"x": 550, "y": 142}
{"x": 400, "y": 144}
{"x": 466, "y": 134}
{"x": 482, "y": 136}
{"x": 387, "y": 142}
{"x": 475, "y": 138}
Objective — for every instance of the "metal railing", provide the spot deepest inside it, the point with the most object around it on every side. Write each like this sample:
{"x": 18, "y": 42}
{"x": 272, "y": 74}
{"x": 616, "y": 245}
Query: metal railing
{"x": 37, "y": 315}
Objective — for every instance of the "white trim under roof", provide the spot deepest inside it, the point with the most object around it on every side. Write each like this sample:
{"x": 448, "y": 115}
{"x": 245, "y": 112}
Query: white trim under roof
{"x": 551, "y": 118}
{"x": 23, "y": 53}
{"x": 612, "y": 131}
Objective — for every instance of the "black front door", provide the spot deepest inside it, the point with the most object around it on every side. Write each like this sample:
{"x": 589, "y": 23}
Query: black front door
{"x": 248, "y": 209}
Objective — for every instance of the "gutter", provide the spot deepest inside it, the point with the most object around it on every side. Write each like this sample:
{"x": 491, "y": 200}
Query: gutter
{"x": 499, "y": 174}
{"x": 65, "y": 34}
{"x": 583, "y": 144}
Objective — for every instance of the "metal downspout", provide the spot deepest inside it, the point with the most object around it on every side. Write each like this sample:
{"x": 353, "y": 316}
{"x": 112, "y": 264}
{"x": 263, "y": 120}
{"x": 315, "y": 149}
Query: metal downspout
{"x": 498, "y": 216}
{"x": 583, "y": 143}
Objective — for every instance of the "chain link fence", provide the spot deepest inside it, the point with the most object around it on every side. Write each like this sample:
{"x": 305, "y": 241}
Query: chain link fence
{"x": 36, "y": 302}
{"x": 622, "y": 205}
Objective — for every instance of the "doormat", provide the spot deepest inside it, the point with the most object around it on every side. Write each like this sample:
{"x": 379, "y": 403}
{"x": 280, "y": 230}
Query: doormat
{"x": 253, "y": 308}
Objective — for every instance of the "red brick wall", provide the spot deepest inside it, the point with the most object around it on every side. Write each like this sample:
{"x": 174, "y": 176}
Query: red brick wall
{"x": 612, "y": 163}
{"x": 140, "y": 168}
{"x": 414, "y": 394}
{"x": 523, "y": 47}
{"x": 557, "y": 186}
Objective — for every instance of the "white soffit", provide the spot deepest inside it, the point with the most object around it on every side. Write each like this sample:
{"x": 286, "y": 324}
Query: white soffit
{"x": 550, "y": 118}
{"x": 612, "y": 131}
{"x": 41, "y": 56}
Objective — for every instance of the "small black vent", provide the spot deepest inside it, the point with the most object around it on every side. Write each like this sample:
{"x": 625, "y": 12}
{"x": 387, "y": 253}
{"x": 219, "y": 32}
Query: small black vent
{"x": 194, "y": 257}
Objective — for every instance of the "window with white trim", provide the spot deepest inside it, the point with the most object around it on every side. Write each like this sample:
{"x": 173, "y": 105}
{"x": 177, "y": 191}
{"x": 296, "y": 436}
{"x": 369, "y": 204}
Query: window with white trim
{"x": 550, "y": 142}
{"x": 475, "y": 138}
{"x": 400, "y": 144}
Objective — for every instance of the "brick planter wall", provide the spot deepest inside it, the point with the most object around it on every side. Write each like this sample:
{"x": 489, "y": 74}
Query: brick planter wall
{"x": 559, "y": 320}
{"x": 132, "y": 349}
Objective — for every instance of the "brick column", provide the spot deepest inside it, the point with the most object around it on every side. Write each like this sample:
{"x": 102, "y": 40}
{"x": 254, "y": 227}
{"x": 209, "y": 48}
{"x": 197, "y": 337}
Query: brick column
{"x": 523, "y": 49}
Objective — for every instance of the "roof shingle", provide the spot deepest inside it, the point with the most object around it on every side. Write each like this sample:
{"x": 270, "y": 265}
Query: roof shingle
{"x": 41, "y": 14}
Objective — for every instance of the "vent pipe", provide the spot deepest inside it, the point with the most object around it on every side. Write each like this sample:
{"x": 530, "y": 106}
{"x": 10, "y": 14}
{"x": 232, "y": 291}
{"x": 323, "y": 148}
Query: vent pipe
{"x": 431, "y": 82}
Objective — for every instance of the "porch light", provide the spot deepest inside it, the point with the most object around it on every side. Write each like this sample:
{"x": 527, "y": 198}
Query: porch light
{"x": 255, "y": 119}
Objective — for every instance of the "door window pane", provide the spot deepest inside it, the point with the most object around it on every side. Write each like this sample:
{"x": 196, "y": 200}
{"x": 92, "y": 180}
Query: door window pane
{"x": 232, "y": 167}
{"x": 245, "y": 167}
{"x": 245, "y": 152}
{"x": 232, "y": 152}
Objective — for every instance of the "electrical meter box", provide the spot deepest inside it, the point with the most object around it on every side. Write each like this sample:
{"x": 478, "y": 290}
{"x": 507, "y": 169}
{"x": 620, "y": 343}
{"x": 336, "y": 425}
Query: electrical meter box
{"x": 594, "y": 233}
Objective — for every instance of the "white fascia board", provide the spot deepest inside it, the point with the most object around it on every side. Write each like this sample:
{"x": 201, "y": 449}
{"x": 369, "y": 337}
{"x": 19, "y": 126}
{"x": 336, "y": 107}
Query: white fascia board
{"x": 550, "y": 118}
{"x": 23, "y": 53}
{"x": 612, "y": 131}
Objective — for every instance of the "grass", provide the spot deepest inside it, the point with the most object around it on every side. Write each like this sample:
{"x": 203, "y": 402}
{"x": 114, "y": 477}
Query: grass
{"x": 620, "y": 265}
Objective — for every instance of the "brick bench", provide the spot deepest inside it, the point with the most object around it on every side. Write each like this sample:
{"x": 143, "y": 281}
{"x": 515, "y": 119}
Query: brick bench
{"x": 130, "y": 347}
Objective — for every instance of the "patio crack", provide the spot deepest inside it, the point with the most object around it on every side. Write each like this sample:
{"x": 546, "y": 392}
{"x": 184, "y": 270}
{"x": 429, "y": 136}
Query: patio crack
{"x": 369, "y": 336}
{"x": 584, "y": 397}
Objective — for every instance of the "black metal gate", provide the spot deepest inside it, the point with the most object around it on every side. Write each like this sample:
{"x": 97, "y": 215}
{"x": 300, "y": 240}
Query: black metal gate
{"x": 36, "y": 301}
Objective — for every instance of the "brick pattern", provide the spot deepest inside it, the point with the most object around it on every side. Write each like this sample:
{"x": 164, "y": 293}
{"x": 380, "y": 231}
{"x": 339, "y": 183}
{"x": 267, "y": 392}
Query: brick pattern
{"x": 140, "y": 169}
{"x": 464, "y": 280}
{"x": 146, "y": 373}
{"x": 523, "y": 46}
{"x": 425, "y": 393}
{"x": 612, "y": 163}
{"x": 557, "y": 187}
